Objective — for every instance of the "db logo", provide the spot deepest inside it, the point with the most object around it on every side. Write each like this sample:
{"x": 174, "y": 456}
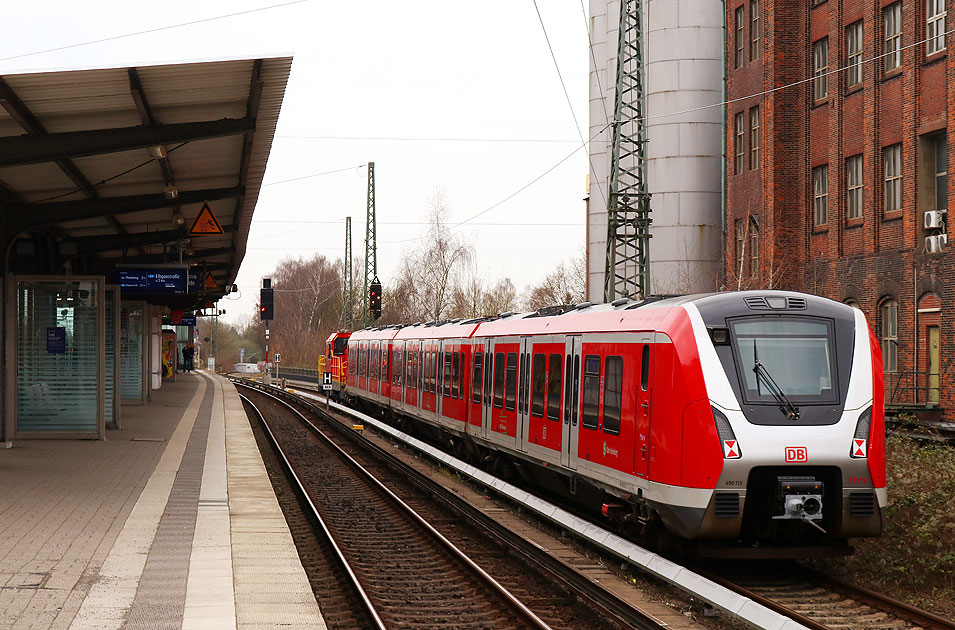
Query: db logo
{"x": 796, "y": 454}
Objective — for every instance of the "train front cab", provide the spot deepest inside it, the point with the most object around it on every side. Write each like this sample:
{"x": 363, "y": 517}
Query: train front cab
{"x": 800, "y": 481}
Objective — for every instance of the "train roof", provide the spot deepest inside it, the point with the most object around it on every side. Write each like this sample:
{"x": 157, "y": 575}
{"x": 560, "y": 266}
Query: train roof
{"x": 655, "y": 313}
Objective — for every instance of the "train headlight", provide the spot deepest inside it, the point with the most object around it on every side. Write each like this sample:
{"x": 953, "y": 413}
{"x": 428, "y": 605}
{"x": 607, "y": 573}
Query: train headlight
{"x": 860, "y": 439}
{"x": 724, "y": 429}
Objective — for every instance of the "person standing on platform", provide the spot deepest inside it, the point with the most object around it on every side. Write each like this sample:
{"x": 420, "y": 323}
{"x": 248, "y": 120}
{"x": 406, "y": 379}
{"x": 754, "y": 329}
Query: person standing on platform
{"x": 188, "y": 353}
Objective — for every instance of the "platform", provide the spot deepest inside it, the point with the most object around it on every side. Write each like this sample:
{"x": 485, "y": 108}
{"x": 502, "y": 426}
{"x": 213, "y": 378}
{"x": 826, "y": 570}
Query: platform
{"x": 170, "y": 522}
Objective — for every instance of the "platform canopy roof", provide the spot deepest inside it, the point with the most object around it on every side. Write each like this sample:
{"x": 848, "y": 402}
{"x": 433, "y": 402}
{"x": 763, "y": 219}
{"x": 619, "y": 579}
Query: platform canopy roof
{"x": 110, "y": 167}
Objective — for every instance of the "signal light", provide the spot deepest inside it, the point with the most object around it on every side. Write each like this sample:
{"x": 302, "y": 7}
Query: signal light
{"x": 374, "y": 298}
{"x": 266, "y": 304}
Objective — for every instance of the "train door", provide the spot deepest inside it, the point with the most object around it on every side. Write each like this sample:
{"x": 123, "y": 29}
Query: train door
{"x": 523, "y": 394}
{"x": 568, "y": 453}
{"x": 474, "y": 401}
{"x": 439, "y": 394}
{"x": 487, "y": 392}
{"x": 411, "y": 373}
{"x": 644, "y": 392}
{"x": 504, "y": 421}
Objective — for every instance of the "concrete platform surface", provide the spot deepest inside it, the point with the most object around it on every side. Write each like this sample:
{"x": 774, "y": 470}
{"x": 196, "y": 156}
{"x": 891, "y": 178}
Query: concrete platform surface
{"x": 169, "y": 523}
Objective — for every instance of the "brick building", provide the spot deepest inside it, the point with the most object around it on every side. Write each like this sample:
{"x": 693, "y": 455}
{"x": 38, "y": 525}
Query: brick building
{"x": 837, "y": 146}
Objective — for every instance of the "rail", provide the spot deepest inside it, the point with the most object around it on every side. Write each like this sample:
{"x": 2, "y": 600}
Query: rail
{"x": 527, "y": 616}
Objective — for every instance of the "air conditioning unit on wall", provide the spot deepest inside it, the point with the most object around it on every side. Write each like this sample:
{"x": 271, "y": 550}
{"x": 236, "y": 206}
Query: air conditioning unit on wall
{"x": 934, "y": 219}
{"x": 935, "y": 244}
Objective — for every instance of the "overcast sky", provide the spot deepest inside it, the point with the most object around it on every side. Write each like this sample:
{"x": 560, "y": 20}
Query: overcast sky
{"x": 389, "y": 80}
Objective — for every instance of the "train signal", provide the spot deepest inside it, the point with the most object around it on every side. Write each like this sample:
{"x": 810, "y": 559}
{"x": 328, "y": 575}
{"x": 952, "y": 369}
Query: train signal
{"x": 374, "y": 298}
{"x": 266, "y": 301}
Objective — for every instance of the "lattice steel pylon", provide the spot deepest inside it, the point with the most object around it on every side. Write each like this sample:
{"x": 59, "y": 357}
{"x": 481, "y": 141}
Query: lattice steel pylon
{"x": 348, "y": 292}
{"x": 371, "y": 250}
{"x": 628, "y": 204}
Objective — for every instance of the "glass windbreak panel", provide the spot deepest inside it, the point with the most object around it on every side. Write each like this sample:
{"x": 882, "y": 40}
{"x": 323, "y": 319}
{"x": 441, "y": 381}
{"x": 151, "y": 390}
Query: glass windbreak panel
{"x": 131, "y": 353}
{"x": 58, "y": 356}
{"x": 798, "y": 354}
{"x": 109, "y": 385}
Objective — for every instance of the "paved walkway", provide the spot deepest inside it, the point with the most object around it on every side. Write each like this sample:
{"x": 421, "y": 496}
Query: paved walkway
{"x": 169, "y": 523}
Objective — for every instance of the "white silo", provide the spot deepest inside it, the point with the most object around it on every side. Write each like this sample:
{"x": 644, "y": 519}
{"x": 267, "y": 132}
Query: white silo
{"x": 683, "y": 56}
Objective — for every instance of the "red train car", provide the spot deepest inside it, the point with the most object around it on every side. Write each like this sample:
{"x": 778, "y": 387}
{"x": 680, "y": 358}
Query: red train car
{"x": 741, "y": 421}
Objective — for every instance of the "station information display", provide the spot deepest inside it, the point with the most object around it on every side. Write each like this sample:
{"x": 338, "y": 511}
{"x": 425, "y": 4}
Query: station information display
{"x": 166, "y": 280}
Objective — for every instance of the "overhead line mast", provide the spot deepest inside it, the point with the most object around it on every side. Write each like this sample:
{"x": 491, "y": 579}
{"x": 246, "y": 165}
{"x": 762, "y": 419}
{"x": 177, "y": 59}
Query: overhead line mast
{"x": 371, "y": 251}
{"x": 627, "y": 273}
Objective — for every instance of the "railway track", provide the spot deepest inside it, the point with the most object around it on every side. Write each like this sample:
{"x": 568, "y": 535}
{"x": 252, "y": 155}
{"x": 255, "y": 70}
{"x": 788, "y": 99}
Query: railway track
{"x": 411, "y": 575}
{"x": 820, "y": 602}
{"x": 814, "y": 600}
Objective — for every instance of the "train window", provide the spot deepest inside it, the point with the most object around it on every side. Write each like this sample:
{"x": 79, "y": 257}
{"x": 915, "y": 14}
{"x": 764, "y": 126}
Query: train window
{"x": 645, "y": 368}
{"x": 522, "y": 385}
{"x": 526, "y": 379}
{"x": 488, "y": 377}
{"x": 553, "y": 386}
{"x": 574, "y": 407}
{"x": 538, "y": 383}
{"x": 426, "y": 372}
{"x": 435, "y": 371}
{"x": 447, "y": 374}
{"x": 511, "y": 391}
{"x": 477, "y": 377}
{"x": 589, "y": 418}
{"x": 455, "y": 374}
{"x": 613, "y": 394}
{"x": 499, "y": 380}
{"x": 339, "y": 345}
{"x": 461, "y": 382}
{"x": 568, "y": 390}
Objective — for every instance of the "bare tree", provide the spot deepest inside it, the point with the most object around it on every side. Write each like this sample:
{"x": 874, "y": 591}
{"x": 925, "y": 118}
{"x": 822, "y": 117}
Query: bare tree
{"x": 427, "y": 276}
{"x": 565, "y": 285}
{"x": 308, "y": 303}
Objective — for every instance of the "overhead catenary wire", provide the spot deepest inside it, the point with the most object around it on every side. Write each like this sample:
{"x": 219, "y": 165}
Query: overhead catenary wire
{"x": 570, "y": 104}
{"x": 154, "y": 30}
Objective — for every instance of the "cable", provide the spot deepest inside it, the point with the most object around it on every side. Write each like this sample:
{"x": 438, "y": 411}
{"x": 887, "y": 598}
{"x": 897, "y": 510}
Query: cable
{"x": 590, "y": 41}
{"x": 295, "y": 179}
{"x": 109, "y": 179}
{"x": 340, "y": 221}
{"x": 413, "y": 139}
{"x": 153, "y": 30}
{"x": 560, "y": 76}
{"x": 512, "y": 195}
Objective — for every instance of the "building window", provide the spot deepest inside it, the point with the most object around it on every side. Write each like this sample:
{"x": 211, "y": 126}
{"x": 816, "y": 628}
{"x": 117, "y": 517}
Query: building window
{"x": 854, "y": 187}
{"x": 738, "y": 143}
{"x": 754, "y": 29}
{"x": 854, "y": 54}
{"x": 820, "y": 69}
{"x": 820, "y": 195}
{"x": 754, "y": 138}
{"x": 892, "y": 19}
{"x": 739, "y": 38}
{"x": 934, "y": 26}
{"x": 890, "y": 335}
{"x": 941, "y": 172}
{"x": 754, "y": 246}
{"x": 892, "y": 159}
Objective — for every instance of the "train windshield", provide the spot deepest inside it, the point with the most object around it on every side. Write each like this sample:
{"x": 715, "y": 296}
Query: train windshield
{"x": 796, "y": 353}
{"x": 339, "y": 345}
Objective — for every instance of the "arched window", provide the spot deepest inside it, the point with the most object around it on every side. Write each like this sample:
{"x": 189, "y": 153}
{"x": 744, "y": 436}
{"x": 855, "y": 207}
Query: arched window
{"x": 889, "y": 320}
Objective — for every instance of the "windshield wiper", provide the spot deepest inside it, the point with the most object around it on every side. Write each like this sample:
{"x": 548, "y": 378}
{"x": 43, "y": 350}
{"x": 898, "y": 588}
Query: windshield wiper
{"x": 785, "y": 405}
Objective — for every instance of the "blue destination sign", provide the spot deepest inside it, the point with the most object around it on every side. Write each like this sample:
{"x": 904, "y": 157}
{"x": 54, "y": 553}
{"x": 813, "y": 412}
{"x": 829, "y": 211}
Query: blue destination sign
{"x": 156, "y": 280}
{"x": 186, "y": 321}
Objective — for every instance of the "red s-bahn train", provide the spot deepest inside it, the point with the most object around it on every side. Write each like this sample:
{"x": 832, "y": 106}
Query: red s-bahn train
{"x": 745, "y": 423}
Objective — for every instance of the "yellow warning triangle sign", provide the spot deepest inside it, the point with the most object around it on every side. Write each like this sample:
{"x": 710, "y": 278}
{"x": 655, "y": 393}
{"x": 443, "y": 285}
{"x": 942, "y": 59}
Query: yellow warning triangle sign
{"x": 211, "y": 283}
{"x": 206, "y": 223}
